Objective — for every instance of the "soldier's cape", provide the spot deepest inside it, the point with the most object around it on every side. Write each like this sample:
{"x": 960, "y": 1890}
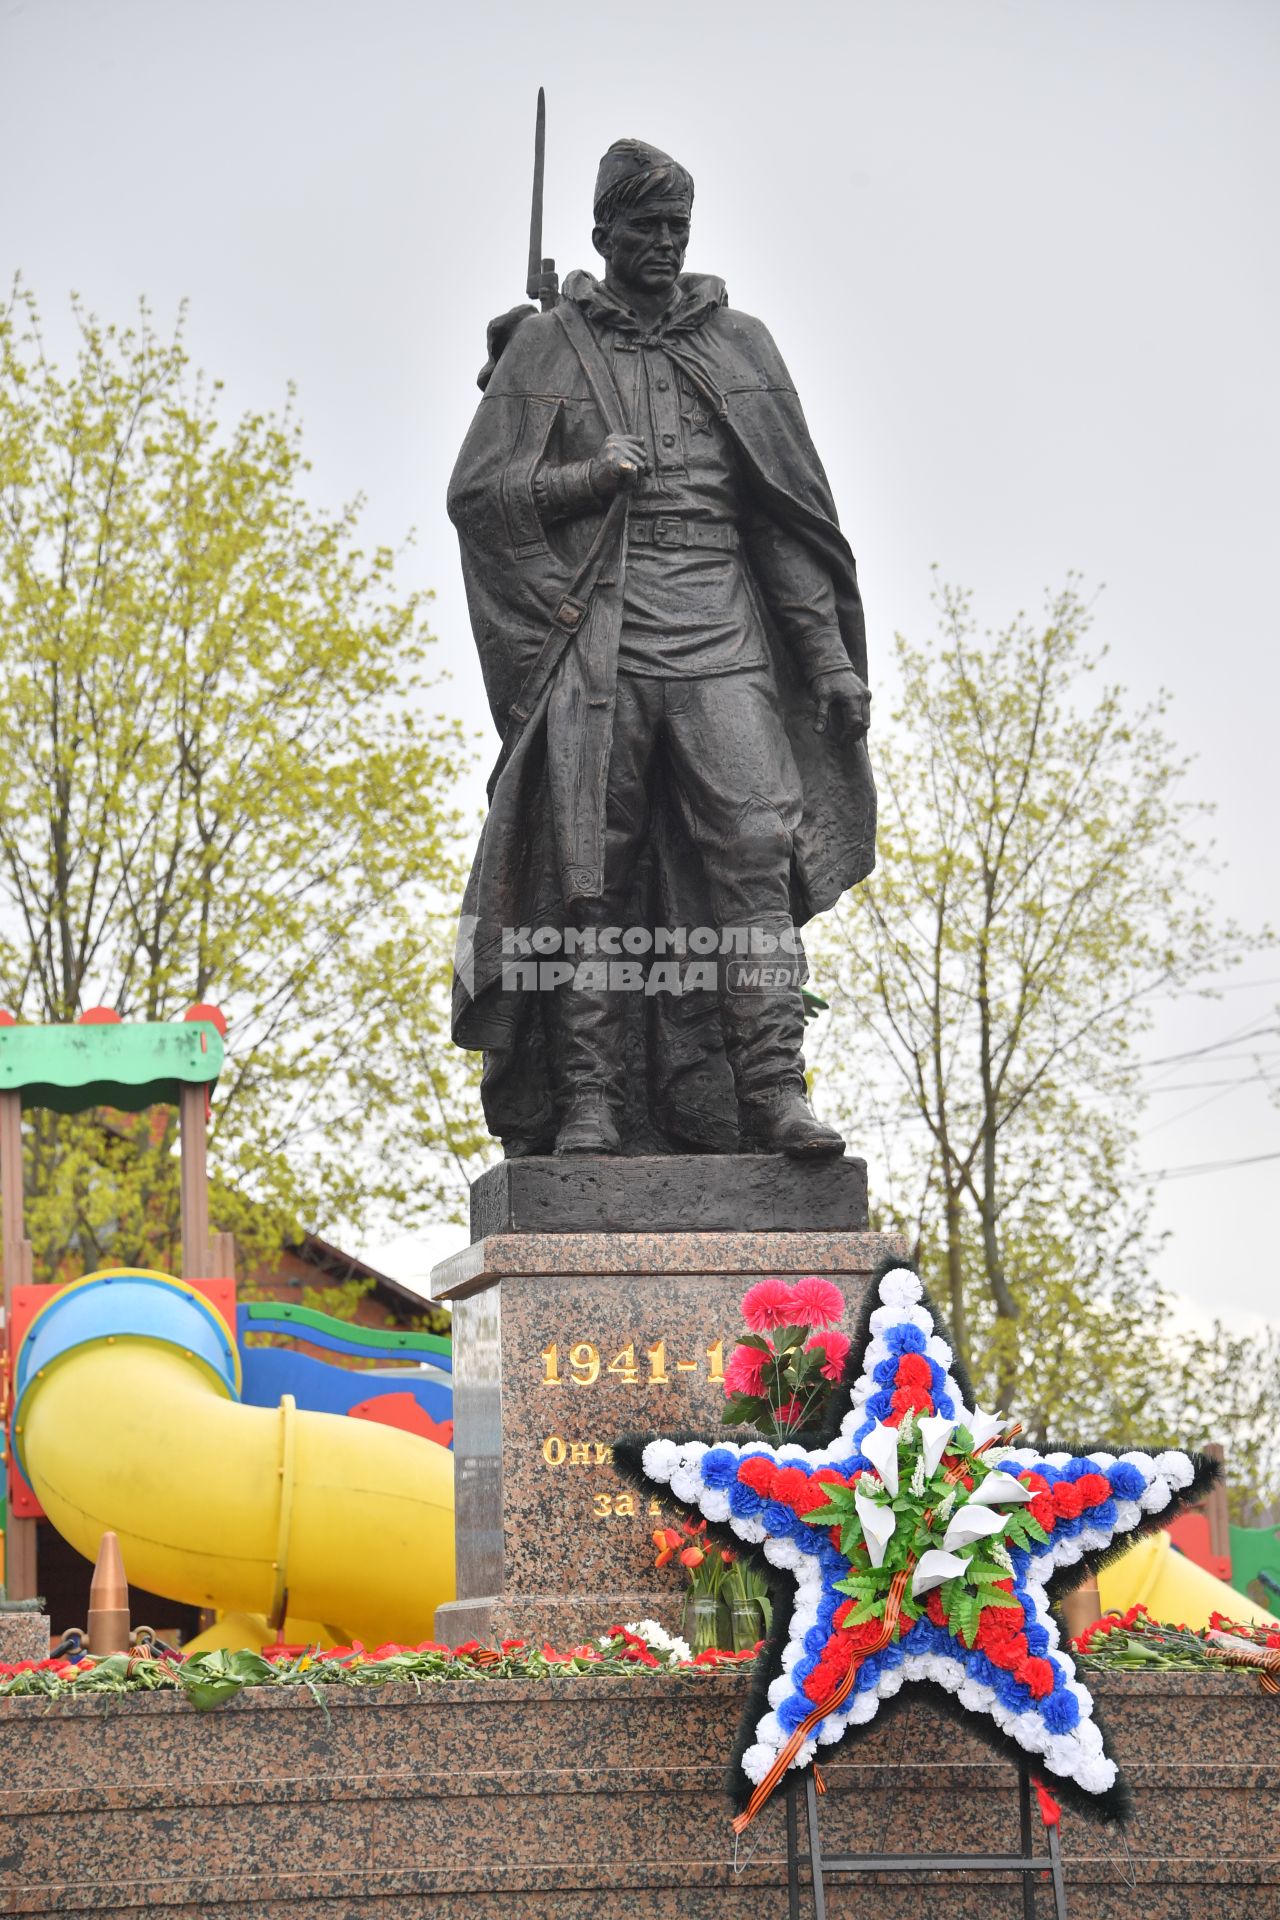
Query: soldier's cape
{"x": 546, "y": 609}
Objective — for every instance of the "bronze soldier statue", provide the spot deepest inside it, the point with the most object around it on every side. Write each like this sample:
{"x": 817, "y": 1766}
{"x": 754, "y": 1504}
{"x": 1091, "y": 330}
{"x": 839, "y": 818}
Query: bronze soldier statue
{"x": 673, "y": 644}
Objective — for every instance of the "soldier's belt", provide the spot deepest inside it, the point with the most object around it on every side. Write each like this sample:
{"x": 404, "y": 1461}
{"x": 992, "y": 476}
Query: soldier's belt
{"x": 671, "y": 530}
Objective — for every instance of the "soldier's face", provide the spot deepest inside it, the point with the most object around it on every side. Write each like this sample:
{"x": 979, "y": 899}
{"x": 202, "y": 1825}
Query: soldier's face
{"x": 645, "y": 246}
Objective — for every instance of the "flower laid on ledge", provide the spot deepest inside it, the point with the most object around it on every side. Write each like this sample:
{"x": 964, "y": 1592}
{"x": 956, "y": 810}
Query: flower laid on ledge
{"x": 922, "y": 1546}
{"x": 211, "y": 1679}
{"x": 1133, "y": 1642}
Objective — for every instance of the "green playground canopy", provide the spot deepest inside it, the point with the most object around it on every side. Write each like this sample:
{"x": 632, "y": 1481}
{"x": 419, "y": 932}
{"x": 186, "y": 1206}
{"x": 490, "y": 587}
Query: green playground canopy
{"x": 128, "y": 1067}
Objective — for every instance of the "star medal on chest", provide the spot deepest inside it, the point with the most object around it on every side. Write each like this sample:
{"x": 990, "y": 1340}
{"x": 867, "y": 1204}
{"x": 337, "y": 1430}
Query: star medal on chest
{"x": 913, "y": 1542}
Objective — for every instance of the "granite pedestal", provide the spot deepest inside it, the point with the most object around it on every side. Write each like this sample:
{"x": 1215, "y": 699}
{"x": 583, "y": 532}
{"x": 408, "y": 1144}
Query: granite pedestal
{"x": 24, "y": 1634}
{"x": 566, "y": 1336}
{"x": 592, "y": 1799}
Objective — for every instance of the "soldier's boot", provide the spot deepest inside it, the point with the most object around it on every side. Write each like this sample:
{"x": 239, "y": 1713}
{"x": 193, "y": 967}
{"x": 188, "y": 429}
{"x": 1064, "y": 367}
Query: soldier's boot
{"x": 764, "y": 1041}
{"x": 782, "y": 1121}
{"x": 592, "y": 1035}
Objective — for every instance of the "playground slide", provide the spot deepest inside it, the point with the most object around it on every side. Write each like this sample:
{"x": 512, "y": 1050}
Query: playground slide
{"x": 1172, "y": 1587}
{"x": 127, "y": 1416}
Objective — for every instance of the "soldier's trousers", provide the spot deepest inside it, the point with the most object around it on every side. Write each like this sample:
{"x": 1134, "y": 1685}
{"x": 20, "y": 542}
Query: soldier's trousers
{"x": 731, "y": 773}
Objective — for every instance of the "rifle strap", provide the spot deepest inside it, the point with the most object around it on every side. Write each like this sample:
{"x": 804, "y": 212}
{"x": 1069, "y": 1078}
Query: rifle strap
{"x": 599, "y": 374}
{"x": 571, "y": 613}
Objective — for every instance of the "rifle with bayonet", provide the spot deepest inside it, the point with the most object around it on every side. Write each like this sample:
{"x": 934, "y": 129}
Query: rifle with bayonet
{"x": 543, "y": 284}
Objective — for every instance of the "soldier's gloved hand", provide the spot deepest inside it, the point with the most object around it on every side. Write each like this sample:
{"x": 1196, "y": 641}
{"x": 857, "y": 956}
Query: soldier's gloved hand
{"x": 619, "y": 464}
{"x": 842, "y": 689}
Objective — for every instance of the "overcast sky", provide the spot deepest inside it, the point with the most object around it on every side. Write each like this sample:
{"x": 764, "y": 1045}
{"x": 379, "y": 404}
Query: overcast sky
{"x": 1021, "y": 258}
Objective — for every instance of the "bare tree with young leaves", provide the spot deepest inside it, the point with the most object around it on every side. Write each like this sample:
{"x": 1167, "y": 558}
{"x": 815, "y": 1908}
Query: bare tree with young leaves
{"x": 222, "y": 777}
{"x": 1041, "y": 880}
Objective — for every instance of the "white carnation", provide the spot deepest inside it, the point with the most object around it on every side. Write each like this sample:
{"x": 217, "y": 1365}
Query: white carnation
{"x": 715, "y": 1504}
{"x": 1142, "y": 1461}
{"x": 686, "y": 1486}
{"x": 779, "y": 1689}
{"x": 756, "y": 1762}
{"x": 660, "y": 1460}
{"x": 900, "y": 1288}
{"x": 1157, "y": 1497}
{"x": 782, "y": 1553}
{"x": 1177, "y": 1470}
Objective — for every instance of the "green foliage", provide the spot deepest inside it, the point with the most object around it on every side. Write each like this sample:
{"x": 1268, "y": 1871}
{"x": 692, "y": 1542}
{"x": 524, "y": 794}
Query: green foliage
{"x": 1040, "y": 882}
{"x": 221, "y": 778}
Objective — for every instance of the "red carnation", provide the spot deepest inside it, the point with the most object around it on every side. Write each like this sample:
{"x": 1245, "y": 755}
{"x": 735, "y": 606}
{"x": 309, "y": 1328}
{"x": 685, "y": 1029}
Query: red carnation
{"x": 816, "y": 1302}
{"x": 1007, "y": 1650}
{"x": 1067, "y": 1500}
{"x": 769, "y": 1304}
{"x": 757, "y": 1473}
{"x": 1094, "y": 1488}
{"x": 909, "y": 1400}
{"x": 913, "y": 1371}
{"x": 822, "y": 1683}
{"x": 745, "y": 1371}
{"x": 1042, "y": 1511}
{"x": 834, "y": 1347}
{"x": 807, "y": 1498}
{"x": 1036, "y": 1674}
{"x": 999, "y": 1623}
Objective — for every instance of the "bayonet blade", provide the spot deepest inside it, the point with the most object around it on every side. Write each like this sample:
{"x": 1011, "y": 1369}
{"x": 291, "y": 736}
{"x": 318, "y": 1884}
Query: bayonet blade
{"x": 535, "y": 286}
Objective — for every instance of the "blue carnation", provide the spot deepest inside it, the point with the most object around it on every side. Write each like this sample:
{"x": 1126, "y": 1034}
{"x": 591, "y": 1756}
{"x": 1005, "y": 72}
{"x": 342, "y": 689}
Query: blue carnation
{"x": 1011, "y": 1694}
{"x": 719, "y": 1468}
{"x": 891, "y": 1656}
{"x": 1126, "y": 1480}
{"x": 793, "y": 1710}
{"x": 1077, "y": 1469}
{"x": 1061, "y": 1711}
{"x": 1103, "y": 1515}
{"x": 886, "y": 1372}
{"x": 744, "y": 1502}
{"x": 777, "y": 1519}
{"x": 945, "y": 1406}
{"x": 980, "y": 1668}
{"x": 904, "y": 1338}
{"x": 815, "y": 1640}
{"x": 868, "y": 1674}
{"x": 1037, "y": 1638}
{"x": 880, "y": 1406}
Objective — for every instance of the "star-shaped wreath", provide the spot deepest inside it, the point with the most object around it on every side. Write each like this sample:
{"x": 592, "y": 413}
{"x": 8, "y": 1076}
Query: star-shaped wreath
{"x": 923, "y": 1545}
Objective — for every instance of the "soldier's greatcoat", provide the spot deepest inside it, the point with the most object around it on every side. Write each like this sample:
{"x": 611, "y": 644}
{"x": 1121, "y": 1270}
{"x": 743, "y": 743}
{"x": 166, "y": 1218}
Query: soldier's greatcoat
{"x": 554, "y": 595}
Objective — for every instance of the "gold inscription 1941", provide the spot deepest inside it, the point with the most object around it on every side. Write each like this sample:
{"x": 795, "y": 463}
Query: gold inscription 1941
{"x": 584, "y": 1365}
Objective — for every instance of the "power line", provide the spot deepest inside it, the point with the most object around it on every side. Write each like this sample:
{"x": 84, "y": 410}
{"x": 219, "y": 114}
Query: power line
{"x": 1212, "y": 1166}
{"x": 1214, "y": 1046}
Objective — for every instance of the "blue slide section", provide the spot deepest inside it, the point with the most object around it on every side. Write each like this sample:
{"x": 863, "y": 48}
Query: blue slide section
{"x": 270, "y": 1372}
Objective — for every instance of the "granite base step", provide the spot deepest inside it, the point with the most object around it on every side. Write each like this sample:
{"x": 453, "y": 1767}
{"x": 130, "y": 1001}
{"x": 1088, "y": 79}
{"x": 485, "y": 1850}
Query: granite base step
{"x": 590, "y": 1799}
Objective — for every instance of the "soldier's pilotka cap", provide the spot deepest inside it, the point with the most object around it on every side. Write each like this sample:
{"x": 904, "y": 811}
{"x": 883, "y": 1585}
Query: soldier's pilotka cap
{"x": 632, "y": 171}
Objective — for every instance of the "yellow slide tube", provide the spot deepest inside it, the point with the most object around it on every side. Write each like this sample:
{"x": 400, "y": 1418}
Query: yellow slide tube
{"x": 1171, "y": 1587}
{"x": 250, "y": 1509}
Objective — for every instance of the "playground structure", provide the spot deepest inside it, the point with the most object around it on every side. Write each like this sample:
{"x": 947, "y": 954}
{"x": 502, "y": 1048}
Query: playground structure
{"x": 282, "y": 1489}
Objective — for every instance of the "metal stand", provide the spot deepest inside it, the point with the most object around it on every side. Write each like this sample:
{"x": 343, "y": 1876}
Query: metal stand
{"x": 1027, "y": 1863}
